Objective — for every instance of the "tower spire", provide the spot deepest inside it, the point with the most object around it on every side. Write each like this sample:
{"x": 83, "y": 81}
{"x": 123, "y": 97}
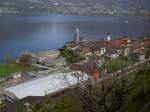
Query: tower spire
{"x": 77, "y": 35}
{"x": 108, "y": 36}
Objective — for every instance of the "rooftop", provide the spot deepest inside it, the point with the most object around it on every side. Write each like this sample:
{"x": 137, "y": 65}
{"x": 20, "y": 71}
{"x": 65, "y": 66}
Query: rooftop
{"x": 47, "y": 85}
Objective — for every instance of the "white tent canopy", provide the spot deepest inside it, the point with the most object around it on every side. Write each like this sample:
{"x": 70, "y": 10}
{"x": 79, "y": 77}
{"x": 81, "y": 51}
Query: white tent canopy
{"x": 47, "y": 85}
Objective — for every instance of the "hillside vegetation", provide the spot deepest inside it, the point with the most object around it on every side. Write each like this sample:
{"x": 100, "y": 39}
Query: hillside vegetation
{"x": 125, "y": 94}
{"x": 80, "y": 6}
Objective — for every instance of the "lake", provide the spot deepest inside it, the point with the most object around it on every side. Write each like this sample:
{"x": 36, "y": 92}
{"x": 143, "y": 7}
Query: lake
{"x": 50, "y": 31}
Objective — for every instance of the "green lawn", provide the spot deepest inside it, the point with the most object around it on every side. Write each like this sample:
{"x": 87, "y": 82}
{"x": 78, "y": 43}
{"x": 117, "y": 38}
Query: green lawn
{"x": 6, "y": 70}
{"x": 116, "y": 64}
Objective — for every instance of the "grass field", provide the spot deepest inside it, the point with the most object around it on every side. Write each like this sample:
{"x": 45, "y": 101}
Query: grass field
{"x": 6, "y": 70}
{"x": 116, "y": 64}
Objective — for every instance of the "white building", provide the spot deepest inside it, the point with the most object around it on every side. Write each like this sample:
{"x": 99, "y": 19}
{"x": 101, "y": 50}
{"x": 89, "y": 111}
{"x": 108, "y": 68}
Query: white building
{"x": 102, "y": 51}
{"x": 114, "y": 56}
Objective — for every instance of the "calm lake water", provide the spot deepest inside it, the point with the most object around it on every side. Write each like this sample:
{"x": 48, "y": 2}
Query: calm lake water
{"x": 51, "y": 31}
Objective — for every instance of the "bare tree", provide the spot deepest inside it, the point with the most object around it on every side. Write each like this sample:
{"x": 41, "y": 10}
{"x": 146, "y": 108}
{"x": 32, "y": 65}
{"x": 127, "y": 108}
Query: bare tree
{"x": 25, "y": 60}
{"x": 8, "y": 59}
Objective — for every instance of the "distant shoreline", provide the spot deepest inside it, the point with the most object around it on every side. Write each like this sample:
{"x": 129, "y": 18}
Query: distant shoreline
{"x": 69, "y": 21}
{"x": 82, "y": 14}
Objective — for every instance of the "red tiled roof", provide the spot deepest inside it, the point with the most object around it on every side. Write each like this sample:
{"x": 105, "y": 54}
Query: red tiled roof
{"x": 147, "y": 42}
{"x": 95, "y": 73}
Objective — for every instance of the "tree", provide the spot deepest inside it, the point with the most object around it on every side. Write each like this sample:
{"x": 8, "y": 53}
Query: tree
{"x": 8, "y": 59}
{"x": 129, "y": 93}
{"x": 25, "y": 60}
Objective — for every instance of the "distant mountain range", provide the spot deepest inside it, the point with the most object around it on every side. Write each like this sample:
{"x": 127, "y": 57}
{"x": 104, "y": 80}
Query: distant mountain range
{"x": 77, "y": 6}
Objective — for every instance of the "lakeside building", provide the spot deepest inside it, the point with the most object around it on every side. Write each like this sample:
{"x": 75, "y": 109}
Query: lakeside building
{"x": 110, "y": 48}
{"x": 48, "y": 58}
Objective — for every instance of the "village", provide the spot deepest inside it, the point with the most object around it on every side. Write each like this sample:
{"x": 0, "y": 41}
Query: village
{"x": 77, "y": 61}
{"x": 107, "y": 55}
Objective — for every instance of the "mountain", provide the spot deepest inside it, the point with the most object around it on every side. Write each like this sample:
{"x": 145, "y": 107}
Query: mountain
{"x": 79, "y": 6}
